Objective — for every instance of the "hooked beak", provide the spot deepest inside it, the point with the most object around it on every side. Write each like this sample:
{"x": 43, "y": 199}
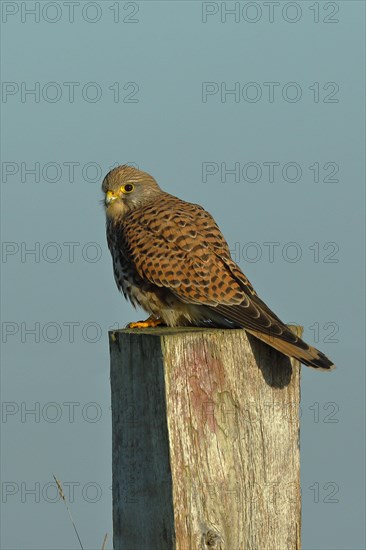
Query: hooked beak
{"x": 110, "y": 197}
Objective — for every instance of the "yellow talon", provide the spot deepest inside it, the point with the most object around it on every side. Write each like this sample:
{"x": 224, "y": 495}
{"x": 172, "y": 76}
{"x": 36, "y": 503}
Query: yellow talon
{"x": 151, "y": 322}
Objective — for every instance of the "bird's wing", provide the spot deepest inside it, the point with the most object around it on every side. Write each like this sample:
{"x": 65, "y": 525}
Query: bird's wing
{"x": 178, "y": 245}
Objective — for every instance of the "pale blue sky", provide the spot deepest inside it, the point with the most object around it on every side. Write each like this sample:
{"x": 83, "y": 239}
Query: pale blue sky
{"x": 137, "y": 97}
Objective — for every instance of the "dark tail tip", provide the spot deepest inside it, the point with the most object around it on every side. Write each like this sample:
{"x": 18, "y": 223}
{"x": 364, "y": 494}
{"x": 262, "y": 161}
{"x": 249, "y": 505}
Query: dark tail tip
{"x": 320, "y": 362}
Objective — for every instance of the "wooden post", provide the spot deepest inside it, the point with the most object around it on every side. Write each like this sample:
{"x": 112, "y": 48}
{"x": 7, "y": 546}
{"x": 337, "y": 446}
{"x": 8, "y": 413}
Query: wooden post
{"x": 205, "y": 441}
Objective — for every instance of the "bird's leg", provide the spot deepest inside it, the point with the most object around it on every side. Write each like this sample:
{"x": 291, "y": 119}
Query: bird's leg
{"x": 151, "y": 322}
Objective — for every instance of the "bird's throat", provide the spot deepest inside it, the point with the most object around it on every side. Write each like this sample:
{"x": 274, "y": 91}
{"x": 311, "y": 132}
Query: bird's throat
{"x": 116, "y": 210}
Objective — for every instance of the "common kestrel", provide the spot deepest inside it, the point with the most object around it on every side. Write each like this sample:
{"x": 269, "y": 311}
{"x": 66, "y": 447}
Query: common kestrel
{"x": 170, "y": 257}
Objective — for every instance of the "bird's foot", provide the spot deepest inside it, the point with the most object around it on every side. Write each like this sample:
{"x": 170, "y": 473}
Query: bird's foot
{"x": 151, "y": 322}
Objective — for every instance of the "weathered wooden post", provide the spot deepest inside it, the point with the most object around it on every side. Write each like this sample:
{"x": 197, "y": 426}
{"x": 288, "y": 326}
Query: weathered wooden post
{"x": 205, "y": 441}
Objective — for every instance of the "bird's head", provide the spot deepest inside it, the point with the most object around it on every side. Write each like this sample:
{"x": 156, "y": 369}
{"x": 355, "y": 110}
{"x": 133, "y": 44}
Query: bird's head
{"x": 127, "y": 188}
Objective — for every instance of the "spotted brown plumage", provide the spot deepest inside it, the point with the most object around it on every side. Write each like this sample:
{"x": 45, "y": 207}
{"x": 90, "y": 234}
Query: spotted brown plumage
{"x": 170, "y": 257}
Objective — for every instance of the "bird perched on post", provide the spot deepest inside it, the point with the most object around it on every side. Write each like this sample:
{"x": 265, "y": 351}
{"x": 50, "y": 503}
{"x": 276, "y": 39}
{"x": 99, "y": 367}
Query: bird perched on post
{"x": 170, "y": 258}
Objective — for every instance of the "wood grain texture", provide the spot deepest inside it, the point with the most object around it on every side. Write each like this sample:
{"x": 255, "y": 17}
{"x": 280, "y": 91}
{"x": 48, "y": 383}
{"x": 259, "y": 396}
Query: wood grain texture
{"x": 205, "y": 441}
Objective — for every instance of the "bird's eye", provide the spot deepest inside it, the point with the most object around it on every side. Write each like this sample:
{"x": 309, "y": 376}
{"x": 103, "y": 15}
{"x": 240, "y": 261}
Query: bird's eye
{"x": 128, "y": 188}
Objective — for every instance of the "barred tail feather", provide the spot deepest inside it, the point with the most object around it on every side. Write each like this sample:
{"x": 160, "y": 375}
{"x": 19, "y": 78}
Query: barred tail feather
{"x": 310, "y": 356}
